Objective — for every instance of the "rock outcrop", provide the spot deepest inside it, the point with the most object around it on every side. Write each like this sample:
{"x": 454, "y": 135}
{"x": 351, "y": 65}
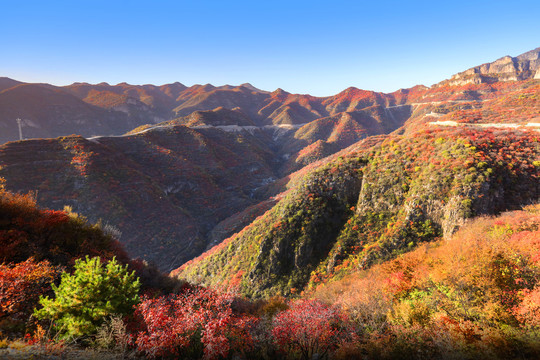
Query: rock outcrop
{"x": 523, "y": 67}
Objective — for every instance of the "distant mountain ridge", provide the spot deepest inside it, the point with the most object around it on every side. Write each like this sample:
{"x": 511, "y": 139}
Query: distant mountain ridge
{"x": 104, "y": 109}
{"x": 129, "y": 106}
{"x": 48, "y": 111}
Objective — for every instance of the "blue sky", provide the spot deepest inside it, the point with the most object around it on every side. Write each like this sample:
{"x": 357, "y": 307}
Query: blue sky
{"x": 316, "y": 47}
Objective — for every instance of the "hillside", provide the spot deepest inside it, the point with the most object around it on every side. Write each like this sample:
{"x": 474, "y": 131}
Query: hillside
{"x": 472, "y": 296}
{"x": 146, "y": 103}
{"x": 6, "y": 83}
{"x": 190, "y": 173}
{"x": 103, "y": 110}
{"x": 59, "y": 237}
{"x": 515, "y": 103}
{"x": 164, "y": 189}
{"x": 370, "y": 205}
{"x": 48, "y": 112}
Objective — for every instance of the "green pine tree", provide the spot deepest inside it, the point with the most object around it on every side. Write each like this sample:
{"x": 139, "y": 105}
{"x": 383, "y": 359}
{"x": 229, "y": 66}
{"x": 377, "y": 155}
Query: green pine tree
{"x": 85, "y": 299}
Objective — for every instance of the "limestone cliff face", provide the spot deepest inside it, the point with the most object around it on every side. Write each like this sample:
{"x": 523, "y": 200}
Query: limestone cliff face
{"x": 523, "y": 67}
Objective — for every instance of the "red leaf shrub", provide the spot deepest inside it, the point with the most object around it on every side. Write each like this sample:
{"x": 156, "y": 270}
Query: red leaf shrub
{"x": 195, "y": 323}
{"x": 310, "y": 327}
{"x": 528, "y": 312}
{"x": 21, "y": 286}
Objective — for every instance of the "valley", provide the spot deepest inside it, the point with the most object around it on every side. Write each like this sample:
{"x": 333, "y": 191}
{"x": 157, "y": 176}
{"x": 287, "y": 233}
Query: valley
{"x": 199, "y": 156}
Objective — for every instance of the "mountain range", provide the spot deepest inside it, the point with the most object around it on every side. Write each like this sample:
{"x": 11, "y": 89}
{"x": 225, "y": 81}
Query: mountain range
{"x": 283, "y": 177}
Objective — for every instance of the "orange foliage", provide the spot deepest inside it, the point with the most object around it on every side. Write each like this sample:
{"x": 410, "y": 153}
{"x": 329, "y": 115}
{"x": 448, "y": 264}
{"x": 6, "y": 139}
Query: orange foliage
{"x": 21, "y": 286}
{"x": 466, "y": 290}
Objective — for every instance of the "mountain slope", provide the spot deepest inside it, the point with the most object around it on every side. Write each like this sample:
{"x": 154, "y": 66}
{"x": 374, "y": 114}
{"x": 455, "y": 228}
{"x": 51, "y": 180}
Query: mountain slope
{"x": 6, "y": 83}
{"x": 361, "y": 207}
{"x": 201, "y": 176}
{"x": 164, "y": 189}
{"x": 147, "y": 103}
{"x": 457, "y": 298}
{"x": 48, "y": 111}
{"x": 27, "y": 231}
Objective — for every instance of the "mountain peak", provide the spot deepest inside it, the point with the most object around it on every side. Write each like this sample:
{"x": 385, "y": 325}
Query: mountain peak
{"x": 6, "y": 83}
{"x": 279, "y": 92}
{"x": 530, "y": 55}
{"x": 522, "y": 67}
{"x": 350, "y": 90}
{"x": 207, "y": 87}
{"x": 253, "y": 88}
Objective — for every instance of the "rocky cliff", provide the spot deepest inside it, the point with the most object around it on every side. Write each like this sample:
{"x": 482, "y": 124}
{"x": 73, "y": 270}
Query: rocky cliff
{"x": 523, "y": 67}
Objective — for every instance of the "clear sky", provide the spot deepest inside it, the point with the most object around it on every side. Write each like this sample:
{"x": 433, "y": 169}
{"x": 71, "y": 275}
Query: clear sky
{"x": 316, "y": 47}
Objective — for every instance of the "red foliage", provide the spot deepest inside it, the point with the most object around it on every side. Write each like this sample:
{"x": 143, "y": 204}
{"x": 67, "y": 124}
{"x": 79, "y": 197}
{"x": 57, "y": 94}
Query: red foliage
{"x": 528, "y": 312}
{"x": 179, "y": 324}
{"x": 310, "y": 327}
{"x": 28, "y": 231}
{"x": 21, "y": 285}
